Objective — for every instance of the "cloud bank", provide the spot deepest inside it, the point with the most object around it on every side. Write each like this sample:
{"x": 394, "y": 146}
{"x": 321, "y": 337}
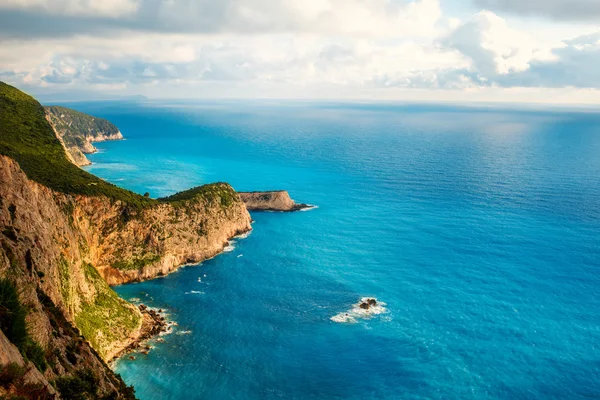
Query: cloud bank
{"x": 187, "y": 48}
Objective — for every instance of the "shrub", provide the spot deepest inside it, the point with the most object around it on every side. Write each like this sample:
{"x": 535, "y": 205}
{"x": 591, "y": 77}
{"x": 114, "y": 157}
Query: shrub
{"x": 12, "y": 314}
{"x": 14, "y": 326}
{"x": 80, "y": 386}
{"x": 11, "y": 373}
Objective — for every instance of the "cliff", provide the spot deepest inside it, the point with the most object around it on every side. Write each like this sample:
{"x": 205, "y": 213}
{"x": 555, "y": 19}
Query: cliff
{"x": 278, "y": 200}
{"x": 66, "y": 234}
{"x": 77, "y": 131}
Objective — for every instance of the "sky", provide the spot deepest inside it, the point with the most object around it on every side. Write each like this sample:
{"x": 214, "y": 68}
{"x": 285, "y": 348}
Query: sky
{"x": 510, "y": 51}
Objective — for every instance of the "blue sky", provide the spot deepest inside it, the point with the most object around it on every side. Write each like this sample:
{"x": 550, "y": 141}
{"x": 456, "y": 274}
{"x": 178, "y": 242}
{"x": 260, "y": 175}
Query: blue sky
{"x": 539, "y": 51}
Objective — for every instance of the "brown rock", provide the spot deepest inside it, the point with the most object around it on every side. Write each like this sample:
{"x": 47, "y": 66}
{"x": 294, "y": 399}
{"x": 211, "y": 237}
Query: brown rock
{"x": 278, "y": 200}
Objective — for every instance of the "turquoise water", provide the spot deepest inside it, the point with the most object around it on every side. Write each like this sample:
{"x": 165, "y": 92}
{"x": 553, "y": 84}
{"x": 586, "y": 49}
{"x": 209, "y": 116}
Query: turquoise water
{"x": 479, "y": 229}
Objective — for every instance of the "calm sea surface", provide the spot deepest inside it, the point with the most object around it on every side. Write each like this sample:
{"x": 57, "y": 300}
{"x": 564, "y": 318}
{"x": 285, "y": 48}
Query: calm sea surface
{"x": 478, "y": 229}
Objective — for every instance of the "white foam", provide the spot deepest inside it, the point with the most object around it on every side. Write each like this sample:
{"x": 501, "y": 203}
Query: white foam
{"x": 200, "y": 280}
{"x": 194, "y": 292}
{"x": 243, "y": 235}
{"x": 310, "y": 207}
{"x": 229, "y": 248}
{"x": 240, "y": 255}
{"x": 356, "y": 313}
{"x": 183, "y": 332}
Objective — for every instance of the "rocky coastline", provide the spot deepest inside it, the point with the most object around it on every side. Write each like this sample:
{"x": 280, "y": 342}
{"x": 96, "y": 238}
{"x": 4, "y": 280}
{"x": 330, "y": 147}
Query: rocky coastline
{"x": 275, "y": 200}
{"x": 154, "y": 323}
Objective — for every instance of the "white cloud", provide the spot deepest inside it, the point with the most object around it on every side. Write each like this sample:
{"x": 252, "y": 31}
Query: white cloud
{"x": 569, "y": 10}
{"x": 293, "y": 46}
{"x": 103, "y": 8}
{"x": 493, "y": 47}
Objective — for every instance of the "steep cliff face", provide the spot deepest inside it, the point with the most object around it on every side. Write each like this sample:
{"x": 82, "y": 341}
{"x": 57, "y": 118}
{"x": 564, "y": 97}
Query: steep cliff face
{"x": 128, "y": 245}
{"x": 65, "y": 234}
{"x": 278, "y": 200}
{"x": 77, "y": 131}
{"x": 78, "y": 244}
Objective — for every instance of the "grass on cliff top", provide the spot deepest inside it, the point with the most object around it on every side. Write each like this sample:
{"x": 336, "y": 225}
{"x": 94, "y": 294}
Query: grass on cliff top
{"x": 78, "y": 124}
{"x": 27, "y": 137}
{"x": 220, "y": 191}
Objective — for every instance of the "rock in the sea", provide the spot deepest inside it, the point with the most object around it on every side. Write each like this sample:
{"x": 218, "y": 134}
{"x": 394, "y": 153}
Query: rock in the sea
{"x": 372, "y": 302}
{"x": 364, "y": 306}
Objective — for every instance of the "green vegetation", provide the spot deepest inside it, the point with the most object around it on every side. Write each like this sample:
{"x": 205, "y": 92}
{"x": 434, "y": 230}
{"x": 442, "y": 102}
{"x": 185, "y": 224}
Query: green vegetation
{"x": 80, "y": 386}
{"x": 215, "y": 192}
{"x": 108, "y": 318}
{"x": 136, "y": 263}
{"x": 28, "y": 138}
{"x": 73, "y": 353}
{"x": 14, "y": 326}
{"x": 10, "y": 373}
{"x": 78, "y": 127}
{"x": 64, "y": 275}
{"x": 83, "y": 385}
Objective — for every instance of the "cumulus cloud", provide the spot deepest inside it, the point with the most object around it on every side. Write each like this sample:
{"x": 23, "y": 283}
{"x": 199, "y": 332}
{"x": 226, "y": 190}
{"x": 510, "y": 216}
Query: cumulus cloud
{"x": 508, "y": 58}
{"x": 493, "y": 47}
{"x": 564, "y": 10}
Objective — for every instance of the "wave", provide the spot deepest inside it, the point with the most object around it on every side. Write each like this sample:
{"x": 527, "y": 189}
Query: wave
{"x": 240, "y": 255}
{"x": 229, "y": 248}
{"x": 310, "y": 207}
{"x": 243, "y": 235}
{"x": 194, "y": 292}
{"x": 366, "y": 308}
{"x": 183, "y": 332}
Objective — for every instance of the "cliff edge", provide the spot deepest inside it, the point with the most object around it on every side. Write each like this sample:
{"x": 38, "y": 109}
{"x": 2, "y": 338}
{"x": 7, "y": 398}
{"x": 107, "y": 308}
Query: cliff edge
{"x": 65, "y": 235}
{"x": 77, "y": 131}
{"x": 278, "y": 200}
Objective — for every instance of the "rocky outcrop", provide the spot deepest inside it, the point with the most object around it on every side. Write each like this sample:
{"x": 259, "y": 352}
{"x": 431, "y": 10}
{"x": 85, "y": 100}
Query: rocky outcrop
{"x": 77, "y": 131}
{"x": 278, "y": 200}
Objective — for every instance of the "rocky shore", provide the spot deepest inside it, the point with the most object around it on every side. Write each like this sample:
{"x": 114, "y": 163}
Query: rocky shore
{"x": 153, "y": 324}
{"x": 277, "y": 200}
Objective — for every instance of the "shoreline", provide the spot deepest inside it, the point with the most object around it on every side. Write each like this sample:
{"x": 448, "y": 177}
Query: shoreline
{"x": 153, "y": 324}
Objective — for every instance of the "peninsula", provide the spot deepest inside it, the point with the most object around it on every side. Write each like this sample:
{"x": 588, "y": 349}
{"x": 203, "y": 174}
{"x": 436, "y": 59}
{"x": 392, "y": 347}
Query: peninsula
{"x": 77, "y": 131}
{"x": 65, "y": 236}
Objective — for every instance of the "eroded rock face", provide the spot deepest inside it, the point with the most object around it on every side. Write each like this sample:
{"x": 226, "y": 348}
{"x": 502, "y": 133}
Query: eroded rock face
{"x": 61, "y": 250}
{"x": 278, "y": 200}
{"x": 25, "y": 374}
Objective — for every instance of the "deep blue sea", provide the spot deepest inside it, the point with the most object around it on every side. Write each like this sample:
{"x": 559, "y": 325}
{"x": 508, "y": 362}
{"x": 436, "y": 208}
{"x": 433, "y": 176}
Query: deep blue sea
{"x": 478, "y": 228}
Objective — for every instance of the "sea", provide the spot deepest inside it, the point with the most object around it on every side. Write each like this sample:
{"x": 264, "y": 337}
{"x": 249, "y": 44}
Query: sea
{"x": 475, "y": 228}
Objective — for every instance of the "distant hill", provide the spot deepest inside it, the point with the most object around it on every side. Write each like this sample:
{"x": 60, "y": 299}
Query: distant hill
{"x": 78, "y": 130}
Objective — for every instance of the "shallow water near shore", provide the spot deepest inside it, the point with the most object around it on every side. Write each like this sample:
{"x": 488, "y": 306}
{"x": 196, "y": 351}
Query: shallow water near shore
{"x": 478, "y": 229}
